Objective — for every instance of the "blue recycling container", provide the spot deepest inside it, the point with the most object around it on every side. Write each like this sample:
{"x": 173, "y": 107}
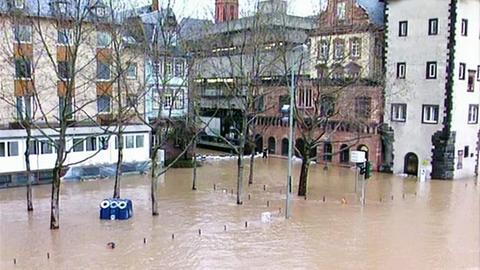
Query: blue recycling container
{"x": 105, "y": 209}
{"x": 112, "y": 209}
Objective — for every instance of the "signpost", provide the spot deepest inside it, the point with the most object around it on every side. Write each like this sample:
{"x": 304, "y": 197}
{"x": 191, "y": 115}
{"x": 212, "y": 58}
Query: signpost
{"x": 363, "y": 172}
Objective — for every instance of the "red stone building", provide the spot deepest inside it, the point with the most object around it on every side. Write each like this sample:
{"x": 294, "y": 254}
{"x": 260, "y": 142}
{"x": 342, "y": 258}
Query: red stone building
{"x": 346, "y": 77}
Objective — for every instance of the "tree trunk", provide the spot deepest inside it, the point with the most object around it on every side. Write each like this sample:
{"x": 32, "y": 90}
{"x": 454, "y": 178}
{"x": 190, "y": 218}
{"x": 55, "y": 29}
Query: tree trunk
{"x": 302, "y": 184}
{"x": 55, "y": 200}
{"x": 118, "y": 173}
{"x": 194, "y": 176}
{"x": 252, "y": 162}
{"x": 240, "y": 177}
{"x": 154, "y": 175}
{"x": 30, "y": 175}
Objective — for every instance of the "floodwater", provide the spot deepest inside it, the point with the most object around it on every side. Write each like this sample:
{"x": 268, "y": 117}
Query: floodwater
{"x": 432, "y": 225}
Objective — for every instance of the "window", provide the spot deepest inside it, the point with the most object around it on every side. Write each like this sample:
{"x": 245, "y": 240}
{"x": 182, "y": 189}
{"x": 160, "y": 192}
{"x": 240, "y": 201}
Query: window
{"x": 179, "y": 101}
{"x": 323, "y": 50}
{"x": 327, "y": 152}
{"x": 2, "y": 149}
{"x": 23, "y": 69}
{"x": 283, "y": 101}
{"x": 327, "y": 106}
{"x": 12, "y": 149}
{"x": 65, "y": 109}
{"x": 78, "y": 145}
{"x": 168, "y": 68}
{"x": 62, "y": 7}
{"x": 461, "y": 71}
{"x": 363, "y": 107}
{"x": 103, "y": 39}
{"x": 20, "y": 4}
{"x": 430, "y": 114}
{"x": 65, "y": 36}
{"x": 473, "y": 114}
{"x": 103, "y": 104}
{"x": 433, "y": 27}
{"x": 471, "y": 80}
{"x": 132, "y": 71}
{"x": 103, "y": 142}
{"x": 179, "y": 68}
{"x": 45, "y": 147}
{"x": 25, "y": 107}
{"x": 401, "y": 70}
{"x": 431, "y": 70}
{"x": 460, "y": 160}
{"x": 64, "y": 71}
{"x": 341, "y": 11}
{"x": 139, "y": 141}
{"x": 403, "y": 28}
{"x": 464, "y": 27}
{"x": 167, "y": 101}
{"x": 478, "y": 73}
{"x": 132, "y": 100}
{"x": 305, "y": 98}
{"x": 466, "y": 151}
{"x": 399, "y": 113}
{"x": 22, "y": 33}
{"x": 130, "y": 142}
{"x": 339, "y": 49}
{"x": 33, "y": 148}
{"x": 91, "y": 144}
{"x": 355, "y": 48}
{"x": 101, "y": 11}
{"x": 103, "y": 71}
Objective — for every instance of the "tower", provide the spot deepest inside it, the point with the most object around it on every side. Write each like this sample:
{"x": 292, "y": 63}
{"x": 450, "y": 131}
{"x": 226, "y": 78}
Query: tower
{"x": 226, "y": 10}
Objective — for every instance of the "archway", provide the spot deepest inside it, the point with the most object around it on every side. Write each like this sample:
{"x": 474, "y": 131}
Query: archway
{"x": 327, "y": 152}
{"x": 271, "y": 145}
{"x": 258, "y": 143}
{"x": 285, "y": 147}
{"x": 364, "y": 148}
{"x": 344, "y": 154}
{"x": 411, "y": 164}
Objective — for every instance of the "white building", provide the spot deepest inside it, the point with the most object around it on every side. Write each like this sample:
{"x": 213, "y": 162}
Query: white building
{"x": 432, "y": 88}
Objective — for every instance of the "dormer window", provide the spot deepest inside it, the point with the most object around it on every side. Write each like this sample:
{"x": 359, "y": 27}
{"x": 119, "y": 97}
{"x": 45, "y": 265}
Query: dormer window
{"x": 101, "y": 11}
{"x": 20, "y": 4}
{"x": 62, "y": 7}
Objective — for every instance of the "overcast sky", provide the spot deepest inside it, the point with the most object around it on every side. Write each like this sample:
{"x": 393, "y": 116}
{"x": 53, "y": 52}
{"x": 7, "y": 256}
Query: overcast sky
{"x": 205, "y": 8}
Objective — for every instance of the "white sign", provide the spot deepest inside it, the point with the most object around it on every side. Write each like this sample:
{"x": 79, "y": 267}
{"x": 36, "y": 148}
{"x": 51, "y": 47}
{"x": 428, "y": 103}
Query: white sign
{"x": 357, "y": 157}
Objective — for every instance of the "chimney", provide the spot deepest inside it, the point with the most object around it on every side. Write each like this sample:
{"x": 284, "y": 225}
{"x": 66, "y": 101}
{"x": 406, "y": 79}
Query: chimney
{"x": 226, "y": 10}
{"x": 155, "y": 6}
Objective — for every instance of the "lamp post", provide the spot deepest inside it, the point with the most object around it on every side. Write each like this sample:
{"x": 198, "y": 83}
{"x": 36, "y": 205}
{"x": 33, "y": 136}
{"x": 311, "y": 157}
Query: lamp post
{"x": 302, "y": 48}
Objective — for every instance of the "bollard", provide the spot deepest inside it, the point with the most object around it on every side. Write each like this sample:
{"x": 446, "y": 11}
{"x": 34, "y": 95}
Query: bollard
{"x": 279, "y": 210}
{"x": 14, "y": 261}
{"x": 224, "y": 228}
{"x": 246, "y": 224}
{"x": 392, "y": 197}
{"x": 415, "y": 193}
{"x": 403, "y": 196}
{"x": 380, "y": 199}
{"x": 248, "y": 196}
{"x": 173, "y": 236}
{"x": 268, "y": 203}
{"x": 264, "y": 187}
{"x": 144, "y": 240}
{"x": 199, "y": 232}
{"x": 231, "y": 191}
{"x": 323, "y": 198}
{"x": 48, "y": 255}
{"x": 214, "y": 187}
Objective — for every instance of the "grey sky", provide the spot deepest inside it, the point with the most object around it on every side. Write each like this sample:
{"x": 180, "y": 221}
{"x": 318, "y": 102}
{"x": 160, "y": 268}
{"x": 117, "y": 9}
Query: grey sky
{"x": 205, "y": 8}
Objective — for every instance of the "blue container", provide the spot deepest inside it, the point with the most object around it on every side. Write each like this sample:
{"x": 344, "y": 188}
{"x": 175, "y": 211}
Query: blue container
{"x": 105, "y": 209}
{"x": 112, "y": 209}
{"x": 125, "y": 209}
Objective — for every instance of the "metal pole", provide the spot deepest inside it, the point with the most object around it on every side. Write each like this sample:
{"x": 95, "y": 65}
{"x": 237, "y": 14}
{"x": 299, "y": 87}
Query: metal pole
{"x": 290, "y": 141}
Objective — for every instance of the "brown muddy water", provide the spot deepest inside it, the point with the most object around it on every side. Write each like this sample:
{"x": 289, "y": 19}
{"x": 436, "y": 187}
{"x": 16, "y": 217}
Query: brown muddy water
{"x": 432, "y": 225}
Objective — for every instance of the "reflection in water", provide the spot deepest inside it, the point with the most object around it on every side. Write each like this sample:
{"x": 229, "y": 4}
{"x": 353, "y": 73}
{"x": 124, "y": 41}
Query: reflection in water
{"x": 406, "y": 225}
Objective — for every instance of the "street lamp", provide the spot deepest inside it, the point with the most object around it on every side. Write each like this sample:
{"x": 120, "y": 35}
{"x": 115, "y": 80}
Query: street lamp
{"x": 301, "y": 48}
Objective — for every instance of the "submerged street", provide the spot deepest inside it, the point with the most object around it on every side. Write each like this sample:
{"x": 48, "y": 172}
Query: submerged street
{"x": 405, "y": 224}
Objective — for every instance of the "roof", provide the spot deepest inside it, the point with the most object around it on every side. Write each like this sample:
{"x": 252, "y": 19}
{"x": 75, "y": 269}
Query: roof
{"x": 375, "y": 10}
